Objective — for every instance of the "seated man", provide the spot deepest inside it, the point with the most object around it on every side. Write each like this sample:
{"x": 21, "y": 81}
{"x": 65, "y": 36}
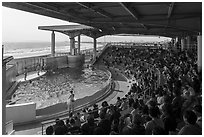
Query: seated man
{"x": 191, "y": 127}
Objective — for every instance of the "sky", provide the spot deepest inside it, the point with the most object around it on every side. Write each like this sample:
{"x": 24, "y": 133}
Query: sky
{"x": 21, "y": 26}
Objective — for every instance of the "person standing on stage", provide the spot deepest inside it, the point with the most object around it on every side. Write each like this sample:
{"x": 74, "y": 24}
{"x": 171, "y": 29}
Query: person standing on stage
{"x": 38, "y": 69}
{"x": 25, "y": 73}
{"x": 71, "y": 102}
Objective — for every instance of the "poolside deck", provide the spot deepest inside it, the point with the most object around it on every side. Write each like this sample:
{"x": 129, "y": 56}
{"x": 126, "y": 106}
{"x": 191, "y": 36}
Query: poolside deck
{"x": 30, "y": 76}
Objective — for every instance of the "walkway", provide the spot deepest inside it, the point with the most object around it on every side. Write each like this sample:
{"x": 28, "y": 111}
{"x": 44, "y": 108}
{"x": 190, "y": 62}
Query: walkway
{"x": 30, "y": 76}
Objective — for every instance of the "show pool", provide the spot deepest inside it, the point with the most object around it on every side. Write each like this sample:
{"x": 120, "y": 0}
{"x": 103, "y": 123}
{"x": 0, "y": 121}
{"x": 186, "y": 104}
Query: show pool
{"x": 54, "y": 88}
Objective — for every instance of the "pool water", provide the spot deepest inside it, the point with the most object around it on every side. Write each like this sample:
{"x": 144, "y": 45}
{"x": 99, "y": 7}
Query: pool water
{"x": 54, "y": 87}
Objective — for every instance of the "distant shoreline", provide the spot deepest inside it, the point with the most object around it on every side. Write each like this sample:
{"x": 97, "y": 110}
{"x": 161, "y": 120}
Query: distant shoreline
{"x": 32, "y": 49}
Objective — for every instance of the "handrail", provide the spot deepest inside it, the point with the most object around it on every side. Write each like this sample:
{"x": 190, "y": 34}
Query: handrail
{"x": 103, "y": 49}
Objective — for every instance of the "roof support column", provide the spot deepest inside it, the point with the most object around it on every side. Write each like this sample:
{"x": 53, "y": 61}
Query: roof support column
{"x": 199, "y": 51}
{"x": 94, "y": 49}
{"x": 174, "y": 44}
{"x": 177, "y": 44}
{"x": 183, "y": 44}
{"x": 79, "y": 42}
{"x": 188, "y": 42}
{"x": 3, "y": 98}
{"x": 53, "y": 43}
{"x": 72, "y": 45}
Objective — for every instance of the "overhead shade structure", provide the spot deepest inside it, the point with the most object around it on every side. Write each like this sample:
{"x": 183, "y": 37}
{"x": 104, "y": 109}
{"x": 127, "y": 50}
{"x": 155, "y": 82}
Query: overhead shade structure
{"x": 70, "y": 30}
{"x": 66, "y": 28}
{"x": 169, "y": 19}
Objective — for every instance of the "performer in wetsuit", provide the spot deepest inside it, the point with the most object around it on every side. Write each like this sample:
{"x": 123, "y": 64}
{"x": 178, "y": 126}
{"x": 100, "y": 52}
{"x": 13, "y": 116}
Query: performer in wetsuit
{"x": 71, "y": 102}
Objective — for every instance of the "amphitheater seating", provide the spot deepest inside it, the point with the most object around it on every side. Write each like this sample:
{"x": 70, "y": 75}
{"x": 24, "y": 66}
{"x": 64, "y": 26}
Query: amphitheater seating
{"x": 159, "y": 77}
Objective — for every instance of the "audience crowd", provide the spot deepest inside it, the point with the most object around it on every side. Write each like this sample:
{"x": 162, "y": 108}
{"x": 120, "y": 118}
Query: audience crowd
{"x": 165, "y": 97}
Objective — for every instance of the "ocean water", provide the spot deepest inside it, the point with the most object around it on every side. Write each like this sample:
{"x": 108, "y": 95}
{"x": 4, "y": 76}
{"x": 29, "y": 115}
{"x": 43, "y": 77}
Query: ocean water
{"x": 30, "y": 49}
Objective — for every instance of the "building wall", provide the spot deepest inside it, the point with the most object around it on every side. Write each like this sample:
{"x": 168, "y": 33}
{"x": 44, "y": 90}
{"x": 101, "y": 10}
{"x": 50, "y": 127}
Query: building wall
{"x": 55, "y": 62}
{"x": 30, "y": 63}
{"x": 76, "y": 61}
{"x": 10, "y": 76}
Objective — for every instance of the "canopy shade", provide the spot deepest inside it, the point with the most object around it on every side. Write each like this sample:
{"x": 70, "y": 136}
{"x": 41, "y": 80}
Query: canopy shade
{"x": 66, "y": 28}
{"x": 170, "y": 19}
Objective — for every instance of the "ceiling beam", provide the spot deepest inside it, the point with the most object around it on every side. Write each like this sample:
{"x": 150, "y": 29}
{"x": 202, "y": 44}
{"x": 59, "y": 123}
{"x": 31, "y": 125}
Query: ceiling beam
{"x": 96, "y": 10}
{"x": 130, "y": 10}
{"x": 47, "y": 8}
{"x": 171, "y": 7}
{"x": 32, "y": 9}
{"x": 152, "y": 24}
{"x": 50, "y": 8}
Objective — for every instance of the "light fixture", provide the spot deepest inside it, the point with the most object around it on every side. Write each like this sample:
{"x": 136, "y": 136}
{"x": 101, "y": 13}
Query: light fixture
{"x": 100, "y": 30}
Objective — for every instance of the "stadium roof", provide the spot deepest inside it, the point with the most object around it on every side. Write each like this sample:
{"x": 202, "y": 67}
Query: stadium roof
{"x": 169, "y": 19}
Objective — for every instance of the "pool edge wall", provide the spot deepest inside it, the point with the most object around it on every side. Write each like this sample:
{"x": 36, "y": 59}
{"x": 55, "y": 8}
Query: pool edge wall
{"x": 75, "y": 61}
{"x": 19, "y": 110}
{"x": 79, "y": 102}
{"x": 20, "y": 113}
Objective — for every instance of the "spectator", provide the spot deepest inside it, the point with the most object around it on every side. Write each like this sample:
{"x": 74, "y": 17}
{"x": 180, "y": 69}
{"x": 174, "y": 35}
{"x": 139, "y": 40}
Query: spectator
{"x": 191, "y": 127}
{"x": 114, "y": 127}
{"x": 198, "y": 111}
{"x": 118, "y": 103}
{"x": 88, "y": 127}
{"x": 127, "y": 127}
{"x": 104, "y": 123}
{"x": 168, "y": 118}
{"x": 49, "y": 130}
{"x": 59, "y": 131}
{"x": 138, "y": 128}
{"x": 95, "y": 111}
{"x": 114, "y": 114}
{"x": 155, "y": 122}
